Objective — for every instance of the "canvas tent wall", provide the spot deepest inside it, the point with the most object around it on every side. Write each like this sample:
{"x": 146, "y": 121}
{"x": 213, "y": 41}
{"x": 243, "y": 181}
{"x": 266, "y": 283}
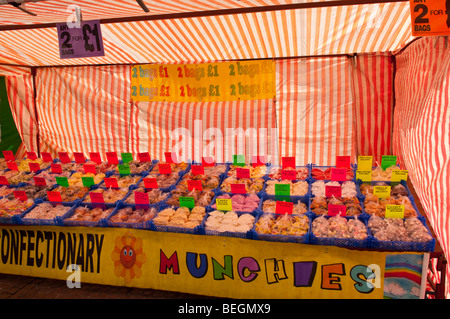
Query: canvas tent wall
{"x": 336, "y": 62}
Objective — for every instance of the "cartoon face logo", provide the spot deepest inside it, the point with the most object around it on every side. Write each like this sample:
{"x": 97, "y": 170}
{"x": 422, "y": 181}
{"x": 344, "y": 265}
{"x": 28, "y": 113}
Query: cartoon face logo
{"x": 128, "y": 257}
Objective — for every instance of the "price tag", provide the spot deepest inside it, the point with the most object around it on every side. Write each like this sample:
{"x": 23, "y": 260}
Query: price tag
{"x": 79, "y": 157}
{"x": 87, "y": 181}
{"x": 331, "y": 191}
{"x": 62, "y": 181}
{"x": 34, "y": 167}
{"x": 399, "y": 175}
{"x": 112, "y": 158}
{"x": 124, "y": 169}
{"x": 39, "y": 181}
{"x": 238, "y": 189}
{"x": 382, "y": 191}
{"x": 54, "y": 196}
{"x": 388, "y": 160}
{"x": 90, "y": 168}
{"x": 165, "y": 168}
{"x": 80, "y": 41}
{"x": 194, "y": 185}
{"x": 282, "y": 190}
{"x": 224, "y": 204}
{"x": 365, "y": 176}
{"x": 64, "y": 157}
{"x": 288, "y": 162}
{"x": 127, "y": 157}
{"x": 242, "y": 172}
{"x": 12, "y": 166}
{"x": 95, "y": 157}
{"x": 3, "y": 180}
{"x": 150, "y": 182}
{"x": 56, "y": 168}
{"x": 288, "y": 175}
{"x": 395, "y": 211}
{"x": 338, "y": 174}
{"x": 258, "y": 160}
{"x": 343, "y": 161}
{"x": 187, "y": 202}
{"x": 144, "y": 157}
{"x": 20, "y": 195}
{"x": 9, "y": 155}
{"x": 284, "y": 207}
{"x": 365, "y": 163}
{"x": 111, "y": 182}
{"x": 238, "y": 160}
{"x": 197, "y": 170}
{"x": 334, "y": 210}
{"x": 208, "y": 161}
{"x": 141, "y": 198}
{"x": 96, "y": 197}
{"x": 32, "y": 156}
{"x": 171, "y": 157}
{"x": 46, "y": 157}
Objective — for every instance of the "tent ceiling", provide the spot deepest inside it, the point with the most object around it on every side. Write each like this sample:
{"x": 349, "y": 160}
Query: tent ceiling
{"x": 196, "y": 31}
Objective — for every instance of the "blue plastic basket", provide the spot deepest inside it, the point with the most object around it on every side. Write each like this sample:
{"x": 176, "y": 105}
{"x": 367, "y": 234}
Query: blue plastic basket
{"x": 323, "y": 168}
{"x": 173, "y": 229}
{"x": 292, "y": 199}
{"x": 219, "y": 193}
{"x": 87, "y": 198}
{"x": 142, "y": 225}
{"x": 246, "y": 235}
{"x": 98, "y": 223}
{"x": 264, "y": 191}
{"x": 270, "y": 167}
{"x": 57, "y": 221}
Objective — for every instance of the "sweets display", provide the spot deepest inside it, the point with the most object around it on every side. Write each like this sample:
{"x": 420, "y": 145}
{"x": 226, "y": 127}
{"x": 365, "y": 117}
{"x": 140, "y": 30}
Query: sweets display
{"x": 299, "y": 188}
{"x": 252, "y": 186}
{"x": 137, "y": 167}
{"x": 397, "y": 229}
{"x": 201, "y": 198}
{"x": 50, "y": 178}
{"x": 348, "y": 188}
{"x": 5, "y": 190}
{"x": 133, "y": 215}
{"x": 208, "y": 182}
{"x": 162, "y": 180}
{"x": 339, "y": 227}
{"x": 255, "y": 172}
{"x": 32, "y": 192}
{"x": 175, "y": 167}
{"x": 229, "y": 222}
{"x": 180, "y": 217}
{"x": 24, "y": 165}
{"x": 319, "y": 205}
{"x": 155, "y": 195}
{"x": 377, "y": 206}
{"x": 215, "y": 170}
{"x": 75, "y": 180}
{"x": 378, "y": 174}
{"x": 241, "y": 203}
{"x": 103, "y": 167}
{"x": 46, "y": 211}
{"x": 16, "y": 177}
{"x": 86, "y": 214}
{"x": 110, "y": 195}
{"x": 292, "y": 225}
{"x": 325, "y": 174}
{"x": 70, "y": 194}
{"x": 9, "y": 208}
{"x": 269, "y": 206}
{"x": 302, "y": 173}
{"x": 396, "y": 190}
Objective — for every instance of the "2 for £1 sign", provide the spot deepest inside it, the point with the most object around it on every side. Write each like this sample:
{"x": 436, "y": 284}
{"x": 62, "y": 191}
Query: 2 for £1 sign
{"x": 206, "y": 82}
{"x": 430, "y": 17}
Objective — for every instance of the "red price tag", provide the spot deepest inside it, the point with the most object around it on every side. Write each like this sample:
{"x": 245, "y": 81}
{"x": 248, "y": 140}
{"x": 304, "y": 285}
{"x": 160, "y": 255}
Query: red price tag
{"x": 338, "y": 174}
{"x": 111, "y": 182}
{"x": 197, "y": 170}
{"x": 12, "y": 166}
{"x": 79, "y": 158}
{"x": 288, "y": 162}
{"x": 39, "y": 181}
{"x": 20, "y": 195}
{"x": 141, "y": 198}
{"x": 144, "y": 157}
{"x": 64, "y": 157}
{"x": 32, "y": 156}
{"x": 34, "y": 167}
{"x": 150, "y": 182}
{"x": 3, "y": 180}
{"x": 288, "y": 174}
{"x": 284, "y": 207}
{"x": 194, "y": 185}
{"x": 165, "y": 168}
{"x": 207, "y": 161}
{"x": 238, "y": 189}
{"x": 96, "y": 197}
{"x": 258, "y": 160}
{"x": 46, "y": 157}
{"x": 56, "y": 168}
{"x": 54, "y": 196}
{"x": 334, "y": 210}
{"x": 343, "y": 161}
{"x": 171, "y": 157}
{"x": 9, "y": 155}
{"x": 242, "y": 172}
{"x": 95, "y": 157}
{"x": 90, "y": 168}
{"x": 335, "y": 191}
{"x": 112, "y": 158}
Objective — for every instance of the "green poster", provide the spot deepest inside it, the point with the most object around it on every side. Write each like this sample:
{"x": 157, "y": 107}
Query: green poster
{"x": 9, "y": 136}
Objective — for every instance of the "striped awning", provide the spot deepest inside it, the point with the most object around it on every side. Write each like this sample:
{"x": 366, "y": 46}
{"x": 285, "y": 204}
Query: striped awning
{"x": 203, "y": 30}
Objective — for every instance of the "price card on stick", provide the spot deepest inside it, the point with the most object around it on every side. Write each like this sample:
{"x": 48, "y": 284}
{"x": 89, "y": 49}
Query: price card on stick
{"x": 334, "y": 210}
{"x": 242, "y": 172}
{"x": 64, "y": 157}
{"x": 3, "y": 180}
{"x": 288, "y": 175}
{"x": 395, "y": 211}
{"x": 331, "y": 191}
{"x": 284, "y": 207}
{"x": 365, "y": 163}
{"x": 208, "y": 161}
{"x": 54, "y": 196}
{"x": 141, "y": 198}
{"x": 79, "y": 157}
{"x": 197, "y": 170}
{"x": 171, "y": 157}
{"x": 399, "y": 175}
{"x": 338, "y": 174}
{"x": 165, "y": 168}
{"x": 224, "y": 204}
{"x": 238, "y": 189}
{"x": 20, "y": 195}
{"x": 32, "y": 156}
{"x": 150, "y": 182}
{"x": 238, "y": 160}
{"x": 96, "y": 198}
{"x": 144, "y": 157}
{"x": 39, "y": 181}
{"x": 34, "y": 167}
{"x": 90, "y": 168}
{"x": 282, "y": 190}
{"x": 112, "y": 158}
{"x": 62, "y": 181}
{"x": 111, "y": 182}
{"x": 193, "y": 184}
{"x": 382, "y": 191}
{"x": 95, "y": 157}
{"x": 343, "y": 161}
{"x": 388, "y": 160}
{"x": 56, "y": 168}
{"x": 46, "y": 157}
{"x": 127, "y": 157}
{"x": 288, "y": 162}
{"x": 188, "y": 202}
{"x": 365, "y": 176}
{"x": 124, "y": 169}
{"x": 87, "y": 181}
{"x": 258, "y": 160}
{"x": 9, "y": 155}
{"x": 12, "y": 166}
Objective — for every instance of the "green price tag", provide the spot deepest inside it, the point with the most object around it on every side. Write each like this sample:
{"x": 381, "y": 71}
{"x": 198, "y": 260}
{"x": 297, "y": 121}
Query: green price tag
{"x": 399, "y": 175}
{"x": 127, "y": 157}
{"x": 395, "y": 211}
{"x": 239, "y": 160}
{"x": 187, "y": 202}
{"x": 224, "y": 204}
{"x": 87, "y": 181}
{"x": 124, "y": 169}
{"x": 62, "y": 181}
{"x": 365, "y": 176}
{"x": 388, "y": 160}
{"x": 365, "y": 163}
{"x": 282, "y": 190}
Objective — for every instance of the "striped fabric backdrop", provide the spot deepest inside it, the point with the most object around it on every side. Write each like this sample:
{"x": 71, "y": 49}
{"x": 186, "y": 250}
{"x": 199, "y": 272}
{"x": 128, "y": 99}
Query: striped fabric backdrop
{"x": 421, "y": 135}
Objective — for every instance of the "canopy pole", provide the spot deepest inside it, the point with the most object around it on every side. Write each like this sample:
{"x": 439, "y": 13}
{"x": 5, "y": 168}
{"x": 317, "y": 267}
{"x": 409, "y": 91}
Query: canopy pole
{"x": 33, "y": 76}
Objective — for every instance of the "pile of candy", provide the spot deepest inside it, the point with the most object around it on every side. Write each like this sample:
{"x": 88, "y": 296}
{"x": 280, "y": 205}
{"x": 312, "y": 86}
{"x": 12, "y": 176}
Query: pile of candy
{"x": 229, "y": 222}
{"x": 252, "y": 186}
{"x": 136, "y": 167}
{"x": 348, "y": 188}
{"x": 180, "y": 217}
{"x": 299, "y": 188}
{"x": 377, "y": 206}
{"x": 155, "y": 195}
{"x": 339, "y": 227}
{"x": 15, "y": 177}
{"x": 255, "y": 172}
{"x": 302, "y": 173}
{"x": 86, "y": 214}
{"x": 133, "y": 215}
{"x": 319, "y": 205}
{"x": 275, "y": 224}
{"x": 25, "y": 167}
{"x": 5, "y": 191}
{"x": 208, "y": 182}
{"x": 12, "y": 207}
{"x": 176, "y": 167}
{"x": 320, "y": 174}
{"x": 396, "y": 229}
{"x": 215, "y": 170}
{"x": 201, "y": 198}
{"x": 70, "y": 194}
{"x": 241, "y": 203}
{"x": 378, "y": 174}
{"x": 32, "y": 191}
{"x": 46, "y": 211}
{"x": 110, "y": 195}
{"x": 50, "y": 178}
{"x": 162, "y": 180}
{"x": 269, "y": 206}
{"x": 75, "y": 180}
{"x": 126, "y": 180}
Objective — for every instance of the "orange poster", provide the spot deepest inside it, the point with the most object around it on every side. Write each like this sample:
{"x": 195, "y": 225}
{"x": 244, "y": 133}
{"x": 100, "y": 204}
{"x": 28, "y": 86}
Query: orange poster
{"x": 430, "y": 17}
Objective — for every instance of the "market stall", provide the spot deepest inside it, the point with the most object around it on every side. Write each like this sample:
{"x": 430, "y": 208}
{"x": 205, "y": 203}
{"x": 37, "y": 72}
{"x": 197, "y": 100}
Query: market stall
{"x": 288, "y": 97}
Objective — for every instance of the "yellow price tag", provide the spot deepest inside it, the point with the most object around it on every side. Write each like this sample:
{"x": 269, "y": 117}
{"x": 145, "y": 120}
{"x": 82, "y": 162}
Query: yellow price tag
{"x": 395, "y": 211}
{"x": 224, "y": 204}
{"x": 399, "y": 175}
{"x": 382, "y": 191}
{"x": 365, "y": 163}
{"x": 365, "y": 176}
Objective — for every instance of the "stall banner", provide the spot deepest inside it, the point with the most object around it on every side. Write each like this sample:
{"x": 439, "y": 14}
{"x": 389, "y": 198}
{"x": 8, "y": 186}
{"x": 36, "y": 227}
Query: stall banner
{"x": 206, "y": 82}
{"x": 206, "y": 265}
{"x": 430, "y": 17}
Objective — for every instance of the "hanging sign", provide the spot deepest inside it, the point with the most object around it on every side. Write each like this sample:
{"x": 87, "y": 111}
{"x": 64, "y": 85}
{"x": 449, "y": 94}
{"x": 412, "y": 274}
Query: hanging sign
{"x": 83, "y": 42}
{"x": 429, "y": 17}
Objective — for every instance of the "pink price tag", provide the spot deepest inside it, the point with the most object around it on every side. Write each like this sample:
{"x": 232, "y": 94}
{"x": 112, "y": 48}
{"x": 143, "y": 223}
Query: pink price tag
{"x": 112, "y": 158}
{"x": 338, "y": 174}
{"x": 284, "y": 207}
{"x": 207, "y": 161}
{"x": 32, "y": 156}
{"x": 150, "y": 182}
{"x": 56, "y": 168}
{"x": 20, "y": 195}
{"x": 258, "y": 160}
{"x": 96, "y": 197}
{"x": 171, "y": 157}
{"x": 288, "y": 175}
{"x": 331, "y": 191}
{"x": 95, "y": 157}
{"x": 111, "y": 182}
{"x": 79, "y": 158}
{"x": 165, "y": 168}
{"x": 343, "y": 161}
{"x": 46, "y": 157}
{"x": 64, "y": 157}
{"x": 12, "y": 166}
{"x": 194, "y": 185}
{"x": 288, "y": 162}
{"x": 90, "y": 168}
{"x": 141, "y": 198}
{"x": 238, "y": 189}
{"x": 54, "y": 196}
{"x": 34, "y": 167}
{"x": 39, "y": 181}
{"x": 9, "y": 155}
{"x": 144, "y": 157}
{"x": 3, "y": 180}
{"x": 242, "y": 173}
{"x": 198, "y": 170}
{"x": 334, "y": 210}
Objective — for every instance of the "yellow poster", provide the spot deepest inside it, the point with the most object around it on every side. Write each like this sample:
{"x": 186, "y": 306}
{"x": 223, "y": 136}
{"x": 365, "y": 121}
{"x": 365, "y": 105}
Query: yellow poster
{"x": 205, "y": 82}
{"x": 199, "y": 264}
{"x": 430, "y": 17}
